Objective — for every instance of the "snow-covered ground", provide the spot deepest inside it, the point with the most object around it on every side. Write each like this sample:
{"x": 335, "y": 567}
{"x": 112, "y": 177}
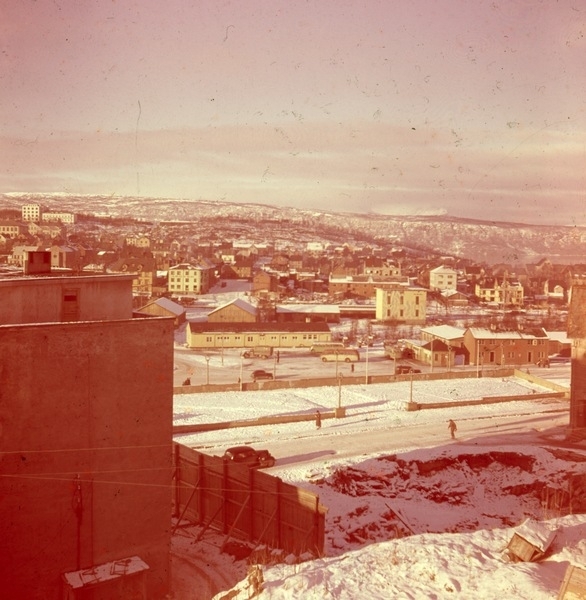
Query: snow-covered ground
{"x": 411, "y": 513}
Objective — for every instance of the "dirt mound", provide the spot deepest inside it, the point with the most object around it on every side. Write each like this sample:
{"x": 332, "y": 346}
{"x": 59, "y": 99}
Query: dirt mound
{"x": 508, "y": 485}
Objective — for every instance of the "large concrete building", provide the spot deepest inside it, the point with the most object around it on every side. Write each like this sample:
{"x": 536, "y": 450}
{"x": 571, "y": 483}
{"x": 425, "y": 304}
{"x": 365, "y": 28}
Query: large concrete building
{"x": 577, "y": 332}
{"x": 86, "y": 438}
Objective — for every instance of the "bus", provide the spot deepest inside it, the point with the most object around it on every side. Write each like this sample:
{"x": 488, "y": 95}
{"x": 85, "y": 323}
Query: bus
{"x": 341, "y": 355}
{"x": 321, "y": 347}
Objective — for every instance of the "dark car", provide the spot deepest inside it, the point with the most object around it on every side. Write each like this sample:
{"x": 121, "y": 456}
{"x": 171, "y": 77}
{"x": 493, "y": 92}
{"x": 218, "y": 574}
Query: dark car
{"x": 261, "y": 374}
{"x": 401, "y": 369}
{"x": 245, "y": 455}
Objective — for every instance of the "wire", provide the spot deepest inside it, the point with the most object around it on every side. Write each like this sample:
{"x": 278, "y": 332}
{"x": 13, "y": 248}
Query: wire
{"x": 84, "y": 449}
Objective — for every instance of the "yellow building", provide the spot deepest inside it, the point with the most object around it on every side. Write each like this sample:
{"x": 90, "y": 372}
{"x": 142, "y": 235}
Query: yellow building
{"x": 401, "y": 303}
{"x": 249, "y": 335}
{"x": 186, "y": 278}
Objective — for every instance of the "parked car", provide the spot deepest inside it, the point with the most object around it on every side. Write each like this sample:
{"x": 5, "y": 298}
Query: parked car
{"x": 246, "y": 455}
{"x": 261, "y": 374}
{"x": 402, "y": 369}
{"x": 558, "y": 359}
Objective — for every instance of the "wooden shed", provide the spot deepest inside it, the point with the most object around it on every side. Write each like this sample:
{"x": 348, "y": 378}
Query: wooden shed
{"x": 530, "y": 541}
{"x": 163, "y": 307}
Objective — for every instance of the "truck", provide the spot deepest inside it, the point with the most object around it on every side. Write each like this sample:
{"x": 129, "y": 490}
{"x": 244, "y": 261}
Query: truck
{"x": 258, "y": 352}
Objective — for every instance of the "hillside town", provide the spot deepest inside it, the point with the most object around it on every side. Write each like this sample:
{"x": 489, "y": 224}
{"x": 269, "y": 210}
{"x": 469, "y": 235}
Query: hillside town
{"x": 89, "y": 323}
{"x": 500, "y": 314}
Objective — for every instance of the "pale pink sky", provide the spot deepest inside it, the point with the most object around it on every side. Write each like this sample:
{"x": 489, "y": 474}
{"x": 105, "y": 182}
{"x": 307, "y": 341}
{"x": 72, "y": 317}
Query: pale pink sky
{"x": 475, "y": 109}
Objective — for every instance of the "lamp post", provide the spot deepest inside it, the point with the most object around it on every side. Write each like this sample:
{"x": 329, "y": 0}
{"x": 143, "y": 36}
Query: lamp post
{"x": 241, "y": 364}
{"x": 207, "y": 370}
{"x": 337, "y": 358}
{"x": 368, "y": 340}
{"x": 477, "y": 358}
{"x": 340, "y": 412}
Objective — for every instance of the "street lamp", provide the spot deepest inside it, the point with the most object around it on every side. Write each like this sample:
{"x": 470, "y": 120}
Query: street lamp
{"x": 241, "y": 364}
{"x": 368, "y": 340}
{"x": 431, "y": 350}
{"x": 477, "y": 358}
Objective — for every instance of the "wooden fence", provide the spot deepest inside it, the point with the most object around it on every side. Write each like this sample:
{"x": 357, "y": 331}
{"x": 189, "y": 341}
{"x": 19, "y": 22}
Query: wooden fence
{"x": 247, "y": 504}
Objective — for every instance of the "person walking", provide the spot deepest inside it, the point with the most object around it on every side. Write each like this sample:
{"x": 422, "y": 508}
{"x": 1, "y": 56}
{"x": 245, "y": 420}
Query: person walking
{"x": 318, "y": 419}
{"x": 453, "y": 428}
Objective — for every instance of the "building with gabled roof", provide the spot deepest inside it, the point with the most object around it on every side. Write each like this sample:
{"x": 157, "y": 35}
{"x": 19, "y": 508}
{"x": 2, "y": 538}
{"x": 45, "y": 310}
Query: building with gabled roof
{"x": 235, "y": 311}
{"x": 505, "y": 347}
{"x": 163, "y": 307}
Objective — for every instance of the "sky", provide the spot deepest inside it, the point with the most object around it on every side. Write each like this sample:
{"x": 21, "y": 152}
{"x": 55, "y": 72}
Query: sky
{"x": 468, "y": 109}
{"x": 455, "y": 547}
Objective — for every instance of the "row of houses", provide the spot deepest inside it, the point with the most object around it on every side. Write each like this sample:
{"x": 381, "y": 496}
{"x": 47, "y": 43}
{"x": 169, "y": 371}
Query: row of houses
{"x": 236, "y": 325}
{"x": 445, "y": 346}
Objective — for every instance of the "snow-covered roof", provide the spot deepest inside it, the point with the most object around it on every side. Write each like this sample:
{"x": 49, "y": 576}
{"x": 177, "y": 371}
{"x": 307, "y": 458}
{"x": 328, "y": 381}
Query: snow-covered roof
{"x": 559, "y": 336}
{"x": 333, "y": 309}
{"x": 481, "y": 333}
{"x": 169, "y": 305}
{"x": 240, "y": 303}
{"x": 446, "y": 332}
{"x": 536, "y": 533}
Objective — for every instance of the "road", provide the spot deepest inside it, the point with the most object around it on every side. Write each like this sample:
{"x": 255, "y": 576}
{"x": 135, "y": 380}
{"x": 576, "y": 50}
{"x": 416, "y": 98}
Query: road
{"x": 333, "y": 441}
{"x": 215, "y": 366}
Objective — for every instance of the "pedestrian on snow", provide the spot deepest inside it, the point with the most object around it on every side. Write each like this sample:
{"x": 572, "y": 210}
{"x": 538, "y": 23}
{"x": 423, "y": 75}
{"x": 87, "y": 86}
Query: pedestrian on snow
{"x": 278, "y": 357}
{"x": 318, "y": 419}
{"x": 452, "y": 427}
{"x": 352, "y": 368}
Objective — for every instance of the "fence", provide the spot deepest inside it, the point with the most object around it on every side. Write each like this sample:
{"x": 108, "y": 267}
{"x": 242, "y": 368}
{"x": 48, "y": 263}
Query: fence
{"x": 279, "y": 384}
{"x": 247, "y": 504}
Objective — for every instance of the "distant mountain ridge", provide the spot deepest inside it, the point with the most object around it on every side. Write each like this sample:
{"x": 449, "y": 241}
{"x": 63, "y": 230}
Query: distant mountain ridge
{"x": 488, "y": 242}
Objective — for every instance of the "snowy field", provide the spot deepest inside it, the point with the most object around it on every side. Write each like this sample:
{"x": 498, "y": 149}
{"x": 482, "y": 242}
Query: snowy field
{"x": 411, "y": 513}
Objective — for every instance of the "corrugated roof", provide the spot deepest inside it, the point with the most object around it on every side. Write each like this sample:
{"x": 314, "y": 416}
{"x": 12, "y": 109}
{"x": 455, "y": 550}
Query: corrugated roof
{"x": 240, "y": 303}
{"x": 199, "y": 327}
{"x": 333, "y": 309}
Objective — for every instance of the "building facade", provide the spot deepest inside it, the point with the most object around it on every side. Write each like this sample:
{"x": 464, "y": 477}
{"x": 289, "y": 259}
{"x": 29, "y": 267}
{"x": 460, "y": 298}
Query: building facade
{"x": 186, "y": 278}
{"x": 443, "y": 278}
{"x": 400, "y": 303}
{"x": 86, "y": 436}
{"x": 486, "y": 347}
{"x": 31, "y": 212}
{"x": 220, "y": 336}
